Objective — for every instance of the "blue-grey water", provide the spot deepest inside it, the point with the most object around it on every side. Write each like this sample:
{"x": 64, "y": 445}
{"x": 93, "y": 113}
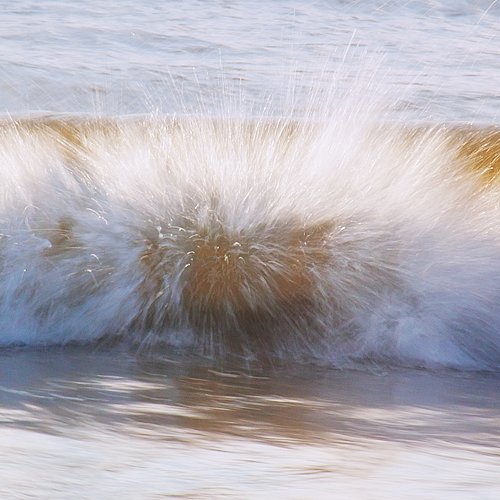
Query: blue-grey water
{"x": 433, "y": 60}
{"x": 120, "y": 120}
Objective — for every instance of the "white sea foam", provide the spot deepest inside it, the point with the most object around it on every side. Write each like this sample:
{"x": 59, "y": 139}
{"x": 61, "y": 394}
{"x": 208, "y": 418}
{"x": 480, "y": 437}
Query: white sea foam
{"x": 338, "y": 240}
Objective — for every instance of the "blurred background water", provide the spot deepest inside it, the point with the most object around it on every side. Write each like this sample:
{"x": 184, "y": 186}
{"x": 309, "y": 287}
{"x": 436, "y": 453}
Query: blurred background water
{"x": 431, "y": 60}
{"x": 82, "y": 424}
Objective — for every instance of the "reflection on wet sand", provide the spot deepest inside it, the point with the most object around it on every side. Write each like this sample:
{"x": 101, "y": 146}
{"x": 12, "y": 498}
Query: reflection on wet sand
{"x": 99, "y": 423}
{"x": 168, "y": 400}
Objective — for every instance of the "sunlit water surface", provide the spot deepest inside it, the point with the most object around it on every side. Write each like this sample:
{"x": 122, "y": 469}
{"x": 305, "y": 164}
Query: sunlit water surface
{"x": 81, "y": 425}
{"x": 78, "y": 423}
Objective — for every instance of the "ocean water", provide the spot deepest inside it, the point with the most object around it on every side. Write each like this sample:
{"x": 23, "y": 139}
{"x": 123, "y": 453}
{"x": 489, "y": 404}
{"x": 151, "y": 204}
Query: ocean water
{"x": 249, "y": 249}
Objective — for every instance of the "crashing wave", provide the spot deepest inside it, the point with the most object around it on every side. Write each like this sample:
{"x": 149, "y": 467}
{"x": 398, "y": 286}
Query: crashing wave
{"x": 279, "y": 239}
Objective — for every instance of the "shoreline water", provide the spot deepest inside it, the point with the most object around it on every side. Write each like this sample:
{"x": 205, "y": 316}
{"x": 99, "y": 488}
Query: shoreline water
{"x": 169, "y": 429}
{"x": 407, "y": 95}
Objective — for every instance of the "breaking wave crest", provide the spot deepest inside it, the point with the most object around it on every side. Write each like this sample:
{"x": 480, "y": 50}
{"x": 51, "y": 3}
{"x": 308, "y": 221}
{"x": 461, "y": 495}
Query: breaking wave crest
{"x": 267, "y": 239}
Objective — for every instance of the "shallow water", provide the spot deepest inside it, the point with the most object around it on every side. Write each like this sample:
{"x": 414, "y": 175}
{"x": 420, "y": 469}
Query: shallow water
{"x": 341, "y": 142}
{"x": 87, "y": 425}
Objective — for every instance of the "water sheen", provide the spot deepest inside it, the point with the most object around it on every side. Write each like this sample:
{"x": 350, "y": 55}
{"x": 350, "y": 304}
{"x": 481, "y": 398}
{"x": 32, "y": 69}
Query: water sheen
{"x": 80, "y": 425}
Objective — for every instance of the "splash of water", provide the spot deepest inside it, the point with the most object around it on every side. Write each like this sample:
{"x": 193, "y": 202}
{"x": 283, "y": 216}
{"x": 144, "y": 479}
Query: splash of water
{"x": 338, "y": 241}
